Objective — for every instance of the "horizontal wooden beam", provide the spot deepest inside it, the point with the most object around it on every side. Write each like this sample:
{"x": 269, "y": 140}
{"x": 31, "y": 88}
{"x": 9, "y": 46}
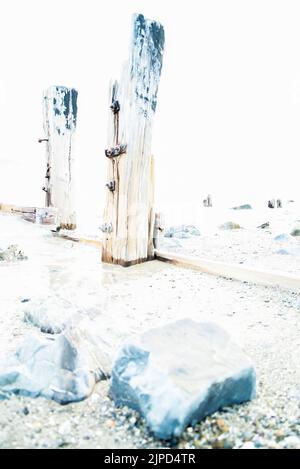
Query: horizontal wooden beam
{"x": 78, "y": 239}
{"x": 16, "y": 209}
{"x": 233, "y": 271}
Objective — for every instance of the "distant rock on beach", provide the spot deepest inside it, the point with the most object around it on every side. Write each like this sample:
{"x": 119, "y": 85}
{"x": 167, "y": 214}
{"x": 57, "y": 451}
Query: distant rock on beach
{"x": 263, "y": 226}
{"x": 182, "y": 231}
{"x": 242, "y": 207}
{"x": 295, "y": 231}
{"x": 230, "y": 225}
{"x": 284, "y": 252}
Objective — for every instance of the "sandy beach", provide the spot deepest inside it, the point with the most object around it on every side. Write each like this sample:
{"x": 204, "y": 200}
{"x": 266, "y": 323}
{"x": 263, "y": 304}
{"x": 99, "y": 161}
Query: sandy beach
{"x": 272, "y": 248}
{"x": 117, "y": 303}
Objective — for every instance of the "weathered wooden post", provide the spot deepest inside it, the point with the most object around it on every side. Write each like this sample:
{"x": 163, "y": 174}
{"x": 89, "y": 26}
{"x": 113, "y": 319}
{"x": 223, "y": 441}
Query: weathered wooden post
{"x": 60, "y": 115}
{"x": 129, "y": 214}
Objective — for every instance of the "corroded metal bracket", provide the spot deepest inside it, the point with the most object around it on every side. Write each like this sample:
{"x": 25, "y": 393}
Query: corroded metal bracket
{"x": 40, "y": 140}
{"x": 106, "y": 228}
{"x": 116, "y": 151}
{"x": 115, "y": 106}
{"x": 47, "y": 176}
{"x": 111, "y": 185}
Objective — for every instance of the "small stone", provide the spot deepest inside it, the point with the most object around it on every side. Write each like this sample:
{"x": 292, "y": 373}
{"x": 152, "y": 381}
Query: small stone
{"x": 263, "y": 226}
{"x": 222, "y": 425}
{"x": 25, "y": 410}
{"x": 279, "y": 434}
{"x": 283, "y": 252}
{"x": 64, "y": 428}
{"x": 295, "y": 231}
{"x": 247, "y": 436}
{"x": 61, "y": 443}
{"x": 230, "y": 225}
{"x": 198, "y": 443}
{"x": 218, "y": 444}
{"x": 291, "y": 442}
{"x": 111, "y": 424}
{"x": 177, "y": 365}
{"x": 248, "y": 445}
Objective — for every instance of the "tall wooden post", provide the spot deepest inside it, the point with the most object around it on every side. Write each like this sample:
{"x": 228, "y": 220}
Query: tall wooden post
{"x": 60, "y": 115}
{"x": 129, "y": 215}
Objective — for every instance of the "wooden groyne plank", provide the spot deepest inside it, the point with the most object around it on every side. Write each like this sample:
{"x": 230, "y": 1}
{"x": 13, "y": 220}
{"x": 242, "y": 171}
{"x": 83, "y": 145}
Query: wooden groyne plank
{"x": 233, "y": 271}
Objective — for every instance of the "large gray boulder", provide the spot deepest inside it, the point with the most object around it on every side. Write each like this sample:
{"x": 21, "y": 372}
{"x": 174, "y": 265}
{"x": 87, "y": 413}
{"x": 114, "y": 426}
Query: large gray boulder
{"x": 177, "y": 374}
{"x": 64, "y": 368}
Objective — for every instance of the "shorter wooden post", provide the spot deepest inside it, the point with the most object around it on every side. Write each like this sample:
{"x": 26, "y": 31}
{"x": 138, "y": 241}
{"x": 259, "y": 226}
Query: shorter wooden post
{"x": 60, "y": 116}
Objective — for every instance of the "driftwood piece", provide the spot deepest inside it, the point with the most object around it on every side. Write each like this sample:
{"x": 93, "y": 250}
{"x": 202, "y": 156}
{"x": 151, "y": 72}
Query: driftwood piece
{"x": 129, "y": 216}
{"x": 60, "y": 115}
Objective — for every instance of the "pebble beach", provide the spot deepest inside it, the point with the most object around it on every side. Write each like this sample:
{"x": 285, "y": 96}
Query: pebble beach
{"x": 264, "y": 321}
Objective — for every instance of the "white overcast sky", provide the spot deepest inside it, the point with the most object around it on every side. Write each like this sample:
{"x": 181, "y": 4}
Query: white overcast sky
{"x": 228, "y": 116}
